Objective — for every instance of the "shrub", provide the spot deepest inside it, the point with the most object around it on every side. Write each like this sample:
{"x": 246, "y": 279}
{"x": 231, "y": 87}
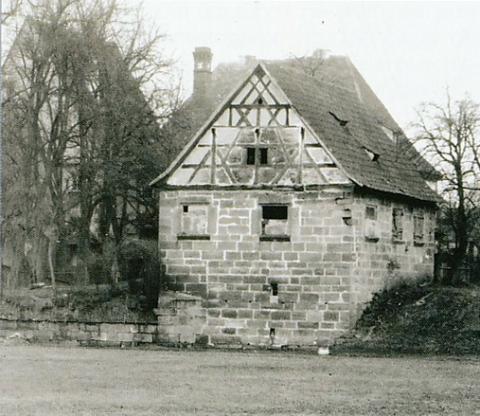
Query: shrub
{"x": 140, "y": 265}
{"x": 98, "y": 270}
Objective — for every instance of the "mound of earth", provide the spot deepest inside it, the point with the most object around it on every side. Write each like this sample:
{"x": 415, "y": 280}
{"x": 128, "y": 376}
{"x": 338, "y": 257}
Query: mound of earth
{"x": 422, "y": 318}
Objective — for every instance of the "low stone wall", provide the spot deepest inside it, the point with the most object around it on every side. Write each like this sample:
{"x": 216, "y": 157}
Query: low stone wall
{"x": 87, "y": 333}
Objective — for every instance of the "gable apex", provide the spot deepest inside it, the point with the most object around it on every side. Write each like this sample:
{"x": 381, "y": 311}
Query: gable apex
{"x": 255, "y": 138}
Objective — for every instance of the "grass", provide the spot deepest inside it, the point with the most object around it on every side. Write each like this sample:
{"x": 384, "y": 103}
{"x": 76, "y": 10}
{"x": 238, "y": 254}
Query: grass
{"x": 49, "y": 380}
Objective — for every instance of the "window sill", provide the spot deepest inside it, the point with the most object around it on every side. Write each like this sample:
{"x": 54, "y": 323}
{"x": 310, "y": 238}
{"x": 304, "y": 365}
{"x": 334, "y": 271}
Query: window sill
{"x": 419, "y": 243}
{"x": 371, "y": 239}
{"x": 398, "y": 241}
{"x": 274, "y": 238}
{"x": 193, "y": 237}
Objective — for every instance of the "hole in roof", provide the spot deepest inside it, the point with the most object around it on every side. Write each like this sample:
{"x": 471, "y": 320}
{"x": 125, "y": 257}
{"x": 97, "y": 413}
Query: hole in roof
{"x": 371, "y": 155}
{"x": 340, "y": 121}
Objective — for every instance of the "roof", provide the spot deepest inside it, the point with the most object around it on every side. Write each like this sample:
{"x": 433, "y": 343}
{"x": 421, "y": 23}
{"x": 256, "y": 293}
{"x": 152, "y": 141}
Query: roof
{"x": 345, "y": 114}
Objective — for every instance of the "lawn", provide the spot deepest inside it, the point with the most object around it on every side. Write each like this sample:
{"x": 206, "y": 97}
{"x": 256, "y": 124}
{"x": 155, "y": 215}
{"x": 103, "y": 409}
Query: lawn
{"x": 49, "y": 380}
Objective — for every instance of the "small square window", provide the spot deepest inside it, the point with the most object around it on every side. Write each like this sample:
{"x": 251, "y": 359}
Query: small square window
{"x": 250, "y": 155}
{"x": 371, "y": 212}
{"x": 275, "y": 222}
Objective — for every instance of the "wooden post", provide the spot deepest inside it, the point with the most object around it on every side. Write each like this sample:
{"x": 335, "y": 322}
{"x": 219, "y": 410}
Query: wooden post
{"x": 213, "y": 161}
{"x": 300, "y": 152}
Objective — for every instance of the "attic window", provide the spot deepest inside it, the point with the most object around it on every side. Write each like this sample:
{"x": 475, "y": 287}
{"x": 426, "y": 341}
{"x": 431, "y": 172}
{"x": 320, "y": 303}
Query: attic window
{"x": 257, "y": 155}
{"x": 260, "y": 101}
{"x": 250, "y": 155}
{"x": 263, "y": 156}
{"x": 340, "y": 121}
{"x": 371, "y": 155}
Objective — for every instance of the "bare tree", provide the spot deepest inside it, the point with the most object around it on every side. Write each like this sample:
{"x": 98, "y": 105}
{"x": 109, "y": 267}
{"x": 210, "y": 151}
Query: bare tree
{"x": 312, "y": 64}
{"x": 11, "y": 9}
{"x": 449, "y": 136}
{"x": 85, "y": 92}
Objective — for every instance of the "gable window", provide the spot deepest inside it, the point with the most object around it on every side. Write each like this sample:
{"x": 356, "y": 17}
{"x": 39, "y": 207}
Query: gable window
{"x": 257, "y": 155}
{"x": 274, "y": 223}
{"x": 194, "y": 222}
{"x": 418, "y": 229}
{"x": 397, "y": 224}
{"x": 250, "y": 155}
{"x": 263, "y": 155}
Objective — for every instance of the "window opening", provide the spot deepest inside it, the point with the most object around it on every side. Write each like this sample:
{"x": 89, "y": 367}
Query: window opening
{"x": 397, "y": 224}
{"x": 250, "y": 155}
{"x": 274, "y": 286}
{"x": 418, "y": 228}
{"x": 275, "y": 222}
{"x": 263, "y": 156}
{"x": 371, "y": 212}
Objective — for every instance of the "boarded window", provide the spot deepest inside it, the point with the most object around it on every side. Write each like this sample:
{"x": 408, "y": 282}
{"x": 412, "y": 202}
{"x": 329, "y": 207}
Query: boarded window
{"x": 418, "y": 228}
{"x": 275, "y": 220}
{"x": 194, "y": 221}
{"x": 397, "y": 224}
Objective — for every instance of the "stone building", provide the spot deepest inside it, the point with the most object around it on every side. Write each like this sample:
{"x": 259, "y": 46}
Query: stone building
{"x": 295, "y": 199}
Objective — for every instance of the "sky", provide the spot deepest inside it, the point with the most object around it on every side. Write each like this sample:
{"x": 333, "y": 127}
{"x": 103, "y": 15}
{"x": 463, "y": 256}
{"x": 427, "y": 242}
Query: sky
{"x": 408, "y": 52}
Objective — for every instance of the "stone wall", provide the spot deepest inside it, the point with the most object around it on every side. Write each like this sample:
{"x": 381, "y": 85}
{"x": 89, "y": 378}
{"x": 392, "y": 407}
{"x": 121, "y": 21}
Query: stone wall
{"x": 382, "y": 261}
{"x": 233, "y": 271}
{"x": 85, "y": 333}
{"x": 322, "y": 273}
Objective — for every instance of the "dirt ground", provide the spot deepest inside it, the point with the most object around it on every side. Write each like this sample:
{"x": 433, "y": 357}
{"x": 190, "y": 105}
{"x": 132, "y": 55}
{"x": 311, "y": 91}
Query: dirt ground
{"x": 50, "y": 380}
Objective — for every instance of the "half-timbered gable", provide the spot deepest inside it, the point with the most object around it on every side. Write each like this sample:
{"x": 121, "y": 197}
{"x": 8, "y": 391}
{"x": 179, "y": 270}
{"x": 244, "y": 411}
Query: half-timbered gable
{"x": 257, "y": 139}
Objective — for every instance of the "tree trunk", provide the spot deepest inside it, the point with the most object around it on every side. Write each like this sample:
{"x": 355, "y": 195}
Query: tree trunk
{"x": 51, "y": 251}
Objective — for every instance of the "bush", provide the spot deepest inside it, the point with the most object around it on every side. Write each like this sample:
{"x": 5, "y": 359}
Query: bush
{"x": 139, "y": 264}
{"x": 98, "y": 270}
{"x": 416, "y": 317}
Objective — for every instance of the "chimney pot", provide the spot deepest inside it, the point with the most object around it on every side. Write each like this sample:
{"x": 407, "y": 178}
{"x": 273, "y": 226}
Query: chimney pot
{"x": 250, "y": 60}
{"x": 202, "y": 72}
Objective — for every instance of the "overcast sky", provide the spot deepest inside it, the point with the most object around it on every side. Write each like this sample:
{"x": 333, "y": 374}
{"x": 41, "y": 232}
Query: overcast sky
{"x": 407, "y": 52}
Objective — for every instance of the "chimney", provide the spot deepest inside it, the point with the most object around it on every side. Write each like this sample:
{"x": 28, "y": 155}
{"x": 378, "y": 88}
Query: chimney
{"x": 250, "y": 61}
{"x": 202, "y": 72}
